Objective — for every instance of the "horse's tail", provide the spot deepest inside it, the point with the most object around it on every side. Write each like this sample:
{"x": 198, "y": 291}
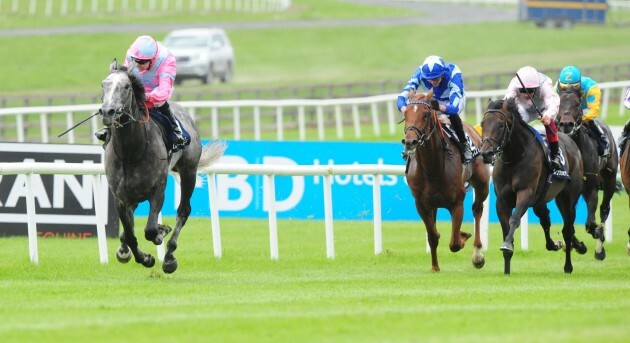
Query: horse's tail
{"x": 618, "y": 187}
{"x": 210, "y": 153}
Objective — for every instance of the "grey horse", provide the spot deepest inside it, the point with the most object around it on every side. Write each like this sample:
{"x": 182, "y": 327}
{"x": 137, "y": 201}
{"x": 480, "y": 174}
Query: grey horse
{"x": 137, "y": 163}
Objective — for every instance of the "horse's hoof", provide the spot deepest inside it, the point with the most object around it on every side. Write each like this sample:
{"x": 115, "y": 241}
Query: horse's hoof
{"x": 158, "y": 239}
{"x": 479, "y": 263}
{"x": 465, "y": 235}
{"x": 169, "y": 266}
{"x": 150, "y": 234}
{"x": 600, "y": 256}
{"x": 507, "y": 247}
{"x": 568, "y": 269}
{"x": 123, "y": 257}
{"x": 149, "y": 261}
{"x": 581, "y": 248}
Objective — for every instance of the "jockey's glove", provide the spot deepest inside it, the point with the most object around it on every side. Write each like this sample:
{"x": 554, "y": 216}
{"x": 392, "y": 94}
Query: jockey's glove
{"x": 435, "y": 105}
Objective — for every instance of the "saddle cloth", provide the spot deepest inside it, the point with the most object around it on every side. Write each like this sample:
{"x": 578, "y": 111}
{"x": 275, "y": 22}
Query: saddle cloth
{"x": 450, "y": 133}
{"x": 544, "y": 145}
{"x": 167, "y": 128}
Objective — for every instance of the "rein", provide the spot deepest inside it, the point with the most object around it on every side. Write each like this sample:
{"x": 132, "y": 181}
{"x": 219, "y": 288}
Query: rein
{"x": 498, "y": 147}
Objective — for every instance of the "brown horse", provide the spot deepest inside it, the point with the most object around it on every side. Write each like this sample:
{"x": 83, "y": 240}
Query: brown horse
{"x": 521, "y": 178}
{"x": 599, "y": 172}
{"x": 625, "y": 170}
{"x": 436, "y": 176}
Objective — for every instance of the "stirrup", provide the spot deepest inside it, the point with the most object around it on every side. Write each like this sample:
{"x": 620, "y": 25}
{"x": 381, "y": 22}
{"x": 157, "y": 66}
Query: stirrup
{"x": 555, "y": 163}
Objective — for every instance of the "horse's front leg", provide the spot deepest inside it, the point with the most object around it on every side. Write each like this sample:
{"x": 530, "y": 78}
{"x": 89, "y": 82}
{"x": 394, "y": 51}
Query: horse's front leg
{"x": 478, "y": 259}
{"x": 458, "y": 238}
{"x": 155, "y": 232}
{"x": 522, "y": 204}
{"x": 433, "y": 236}
{"x": 128, "y": 240}
{"x": 503, "y": 212}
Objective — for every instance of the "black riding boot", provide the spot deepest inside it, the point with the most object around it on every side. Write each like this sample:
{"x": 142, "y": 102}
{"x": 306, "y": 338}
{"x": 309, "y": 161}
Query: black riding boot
{"x": 166, "y": 110}
{"x": 556, "y": 164}
{"x": 464, "y": 148}
{"x": 602, "y": 140}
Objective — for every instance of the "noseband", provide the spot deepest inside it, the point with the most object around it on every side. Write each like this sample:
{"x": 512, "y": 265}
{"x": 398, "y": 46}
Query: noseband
{"x": 423, "y": 136}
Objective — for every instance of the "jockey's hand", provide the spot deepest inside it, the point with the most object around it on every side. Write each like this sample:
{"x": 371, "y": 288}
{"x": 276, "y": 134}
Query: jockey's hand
{"x": 435, "y": 105}
{"x": 403, "y": 109}
{"x": 546, "y": 119}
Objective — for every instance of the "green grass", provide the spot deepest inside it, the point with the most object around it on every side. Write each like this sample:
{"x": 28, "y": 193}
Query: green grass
{"x": 275, "y": 57}
{"x": 300, "y": 9}
{"x": 357, "y": 297}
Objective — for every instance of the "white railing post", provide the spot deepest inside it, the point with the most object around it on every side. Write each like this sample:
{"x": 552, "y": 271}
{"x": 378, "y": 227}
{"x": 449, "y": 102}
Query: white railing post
{"x": 328, "y": 217}
{"x": 273, "y": 225}
{"x": 302, "y": 123}
{"x": 101, "y": 218}
{"x": 376, "y": 200}
{"x": 237, "y": 123}
{"x": 320, "y": 123}
{"x": 279, "y": 123}
{"x": 32, "y": 226}
{"x": 257, "y": 123}
{"x": 161, "y": 252}
{"x": 214, "y": 215}
{"x": 525, "y": 232}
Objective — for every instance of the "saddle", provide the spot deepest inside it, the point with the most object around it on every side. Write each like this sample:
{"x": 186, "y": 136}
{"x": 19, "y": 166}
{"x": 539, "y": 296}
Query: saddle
{"x": 450, "y": 133}
{"x": 167, "y": 131}
{"x": 561, "y": 174}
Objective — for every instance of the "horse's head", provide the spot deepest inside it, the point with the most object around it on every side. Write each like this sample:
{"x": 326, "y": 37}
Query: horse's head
{"x": 420, "y": 121}
{"x": 569, "y": 118}
{"x": 496, "y": 126}
{"x": 120, "y": 90}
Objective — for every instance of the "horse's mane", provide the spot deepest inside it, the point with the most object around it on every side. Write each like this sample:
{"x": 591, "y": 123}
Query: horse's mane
{"x": 512, "y": 107}
{"x": 136, "y": 84}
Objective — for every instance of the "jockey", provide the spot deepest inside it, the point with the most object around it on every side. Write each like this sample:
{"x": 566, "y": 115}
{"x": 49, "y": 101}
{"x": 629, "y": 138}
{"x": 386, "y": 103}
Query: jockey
{"x": 448, "y": 93}
{"x": 538, "y": 88}
{"x": 625, "y": 134}
{"x": 155, "y": 67}
{"x": 571, "y": 79}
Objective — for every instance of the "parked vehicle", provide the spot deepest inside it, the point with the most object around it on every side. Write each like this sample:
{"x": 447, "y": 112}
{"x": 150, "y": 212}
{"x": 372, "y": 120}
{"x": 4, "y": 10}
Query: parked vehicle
{"x": 201, "y": 53}
{"x": 564, "y": 13}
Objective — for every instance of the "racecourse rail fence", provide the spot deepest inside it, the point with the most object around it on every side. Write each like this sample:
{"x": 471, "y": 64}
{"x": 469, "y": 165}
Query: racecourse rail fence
{"x": 343, "y": 119}
{"x": 49, "y": 8}
{"x": 97, "y": 171}
{"x": 474, "y": 82}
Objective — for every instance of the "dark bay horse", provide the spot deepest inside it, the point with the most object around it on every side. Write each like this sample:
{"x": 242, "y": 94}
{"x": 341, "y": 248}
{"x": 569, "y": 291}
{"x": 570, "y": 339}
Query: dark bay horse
{"x": 520, "y": 178}
{"x": 436, "y": 176}
{"x": 599, "y": 173}
{"x": 137, "y": 164}
{"x": 624, "y": 164}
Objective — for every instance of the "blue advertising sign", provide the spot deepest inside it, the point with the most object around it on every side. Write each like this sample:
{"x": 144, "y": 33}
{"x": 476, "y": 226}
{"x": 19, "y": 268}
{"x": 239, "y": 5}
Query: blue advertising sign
{"x": 301, "y": 197}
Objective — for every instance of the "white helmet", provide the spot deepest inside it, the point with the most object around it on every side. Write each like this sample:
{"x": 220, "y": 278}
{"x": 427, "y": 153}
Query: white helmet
{"x": 529, "y": 77}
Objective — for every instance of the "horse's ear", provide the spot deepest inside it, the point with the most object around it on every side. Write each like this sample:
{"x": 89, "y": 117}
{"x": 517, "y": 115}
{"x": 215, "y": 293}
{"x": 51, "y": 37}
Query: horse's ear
{"x": 412, "y": 93}
{"x": 430, "y": 95}
{"x": 505, "y": 105}
{"x": 114, "y": 66}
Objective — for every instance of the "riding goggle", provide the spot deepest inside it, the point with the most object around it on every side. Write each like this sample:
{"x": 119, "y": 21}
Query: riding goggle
{"x": 139, "y": 61}
{"x": 527, "y": 90}
{"x": 570, "y": 86}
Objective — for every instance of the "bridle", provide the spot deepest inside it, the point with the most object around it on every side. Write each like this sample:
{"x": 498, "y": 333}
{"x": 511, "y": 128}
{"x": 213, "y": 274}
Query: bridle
{"x": 423, "y": 136}
{"x": 127, "y": 110}
{"x": 498, "y": 146}
{"x": 577, "y": 123}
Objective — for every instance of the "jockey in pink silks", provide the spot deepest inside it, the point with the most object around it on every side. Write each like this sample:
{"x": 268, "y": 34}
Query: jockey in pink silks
{"x": 155, "y": 67}
{"x": 537, "y": 87}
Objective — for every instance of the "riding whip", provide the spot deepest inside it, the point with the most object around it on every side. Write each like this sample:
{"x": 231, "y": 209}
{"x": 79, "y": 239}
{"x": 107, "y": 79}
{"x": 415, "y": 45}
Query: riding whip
{"x": 75, "y": 125}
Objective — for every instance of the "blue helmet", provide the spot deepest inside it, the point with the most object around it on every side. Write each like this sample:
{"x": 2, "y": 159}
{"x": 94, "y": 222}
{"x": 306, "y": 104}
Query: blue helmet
{"x": 433, "y": 67}
{"x": 570, "y": 77}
